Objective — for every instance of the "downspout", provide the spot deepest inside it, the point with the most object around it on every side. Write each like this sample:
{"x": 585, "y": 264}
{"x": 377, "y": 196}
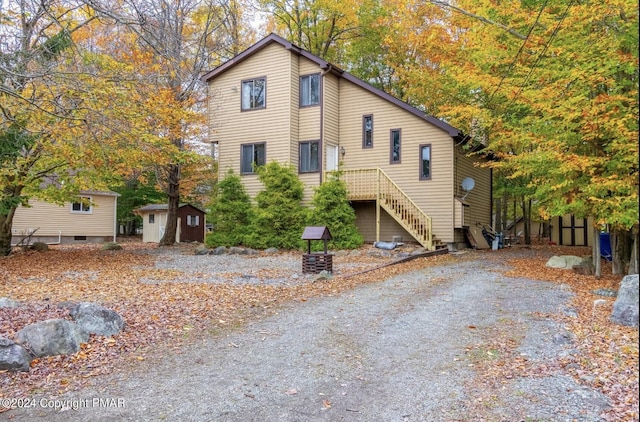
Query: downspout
{"x": 322, "y": 146}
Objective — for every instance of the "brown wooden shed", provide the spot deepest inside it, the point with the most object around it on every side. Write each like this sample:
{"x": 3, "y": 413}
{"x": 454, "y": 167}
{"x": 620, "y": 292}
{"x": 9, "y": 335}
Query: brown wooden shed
{"x": 191, "y": 222}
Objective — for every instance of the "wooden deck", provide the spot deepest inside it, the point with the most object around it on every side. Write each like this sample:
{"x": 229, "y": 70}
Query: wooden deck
{"x": 374, "y": 184}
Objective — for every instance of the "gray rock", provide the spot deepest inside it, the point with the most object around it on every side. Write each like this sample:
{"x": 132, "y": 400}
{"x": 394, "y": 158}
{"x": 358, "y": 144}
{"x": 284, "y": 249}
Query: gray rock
{"x": 237, "y": 250}
{"x": 323, "y": 276}
{"x": 96, "y": 319}
{"x": 111, "y": 246}
{"x": 563, "y": 337}
{"x": 564, "y": 261}
{"x": 220, "y": 250}
{"x": 39, "y": 246}
{"x": 13, "y": 357}
{"x": 6, "y": 302}
{"x": 271, "y": 251}
{"x": 625, "y": 308}
{"x": 52, "y": 337}
{"x": 201, "y": 250}
{"x": 605, "y": 292}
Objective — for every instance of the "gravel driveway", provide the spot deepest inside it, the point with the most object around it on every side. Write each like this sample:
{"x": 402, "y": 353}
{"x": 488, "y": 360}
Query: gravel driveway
{"x": 402, "y": 349}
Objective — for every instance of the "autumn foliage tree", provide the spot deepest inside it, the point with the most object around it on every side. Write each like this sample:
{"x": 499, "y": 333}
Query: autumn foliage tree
{"x": 552, "y": 89}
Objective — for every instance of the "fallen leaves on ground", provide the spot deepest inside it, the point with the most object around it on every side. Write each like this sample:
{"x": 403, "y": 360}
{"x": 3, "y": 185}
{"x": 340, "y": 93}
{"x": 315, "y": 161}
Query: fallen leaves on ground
{"x": 162, "y": 317}
{"x": 608, "y": 358}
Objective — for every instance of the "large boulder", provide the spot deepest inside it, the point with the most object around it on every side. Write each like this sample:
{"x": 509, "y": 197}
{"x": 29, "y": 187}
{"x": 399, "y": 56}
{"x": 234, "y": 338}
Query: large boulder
{"x": 6, "y": 302}
{"x": 13, "y": 357}
{"x": 52, "y": 337}
{"x": 96, "y": 319}
{"x": 625, "y": 308}
{"x": 565, "y": 262}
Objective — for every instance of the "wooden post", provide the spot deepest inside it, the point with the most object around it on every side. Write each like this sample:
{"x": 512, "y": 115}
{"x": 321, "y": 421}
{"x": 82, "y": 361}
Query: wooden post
{"x": 378, "y": 205}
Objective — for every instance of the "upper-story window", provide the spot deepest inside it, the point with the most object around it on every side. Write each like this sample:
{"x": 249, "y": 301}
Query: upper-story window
{"x": 310, "y": 90}
{"x": 425, "y": 162}
{"x": 254, "y": 94}
{"x": 252, "y": 156}
{"x": 394, "y": 141}
{"x": 367, "y": 131}
{"x": 83, "y": 206}
{"x": 309, "y": 157}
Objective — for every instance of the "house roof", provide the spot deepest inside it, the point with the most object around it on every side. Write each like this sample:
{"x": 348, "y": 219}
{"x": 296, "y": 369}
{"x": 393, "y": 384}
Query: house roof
{"x": 273, "y": 38}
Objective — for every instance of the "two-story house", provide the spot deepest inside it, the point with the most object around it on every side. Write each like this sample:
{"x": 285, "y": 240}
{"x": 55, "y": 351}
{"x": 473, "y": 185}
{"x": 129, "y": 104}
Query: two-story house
{"x": 403, "y": 168}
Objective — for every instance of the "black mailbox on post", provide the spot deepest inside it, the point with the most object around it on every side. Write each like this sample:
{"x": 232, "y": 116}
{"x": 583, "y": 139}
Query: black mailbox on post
{"x": 316, "y": 262}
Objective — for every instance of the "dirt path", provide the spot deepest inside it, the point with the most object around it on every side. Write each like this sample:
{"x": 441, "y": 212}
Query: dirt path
{"x": 404, "y": 349}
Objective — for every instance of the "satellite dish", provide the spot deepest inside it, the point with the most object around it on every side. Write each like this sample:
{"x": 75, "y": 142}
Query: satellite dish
{"x": 467, "y": 185}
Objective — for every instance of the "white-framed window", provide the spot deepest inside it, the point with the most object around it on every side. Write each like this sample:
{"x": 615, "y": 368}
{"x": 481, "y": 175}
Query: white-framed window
{"x": 193, "y": 220}
{"x": 82, "y": 206}
{"x": 254, "y": 94}
{"x": 310, "y": 90}
{"x": 252, "y": 156}
{"x": 309, "y": 157}
{"x": 152, "y": 218}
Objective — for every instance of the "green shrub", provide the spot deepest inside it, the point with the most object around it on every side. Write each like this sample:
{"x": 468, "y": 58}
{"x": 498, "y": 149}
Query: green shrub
{"x": 331, "y": 208}
{"x": 230, "y": 212}
{"x": 278, "y": 218}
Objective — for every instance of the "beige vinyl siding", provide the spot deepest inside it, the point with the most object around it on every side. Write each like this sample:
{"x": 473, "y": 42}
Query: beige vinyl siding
{"x": 272, "y": 125}
{"x": 50, "y": 219}
{"x": 479, "y": 209}
{"x": 434, "y": 196}
{"x": 331, "y": 111}
{"x": 366, "y": 223}
{"x": 309, "y": 117}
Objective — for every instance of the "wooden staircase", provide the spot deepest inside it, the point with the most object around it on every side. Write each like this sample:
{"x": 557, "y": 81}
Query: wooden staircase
{"x": 375, "y": 184}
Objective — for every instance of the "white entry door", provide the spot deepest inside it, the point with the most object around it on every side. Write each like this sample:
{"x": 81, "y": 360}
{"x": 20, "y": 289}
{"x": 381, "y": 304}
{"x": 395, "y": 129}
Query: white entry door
{"x": 332, "y": 157}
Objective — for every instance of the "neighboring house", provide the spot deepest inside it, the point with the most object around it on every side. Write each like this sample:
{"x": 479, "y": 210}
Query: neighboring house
{"x": 92, "y": 219}
{"x": 403, "y": 168}
{"x": 191, "y": 223}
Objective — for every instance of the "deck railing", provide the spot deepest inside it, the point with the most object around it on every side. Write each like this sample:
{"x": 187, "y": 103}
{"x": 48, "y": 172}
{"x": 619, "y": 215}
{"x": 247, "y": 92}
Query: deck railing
{"x": 375, "y": 184}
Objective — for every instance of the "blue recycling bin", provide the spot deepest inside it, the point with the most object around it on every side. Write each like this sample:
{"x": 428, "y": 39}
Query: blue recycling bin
{"x": 605, "y": 246}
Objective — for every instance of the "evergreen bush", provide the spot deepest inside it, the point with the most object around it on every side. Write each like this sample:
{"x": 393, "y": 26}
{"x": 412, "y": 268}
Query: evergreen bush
{"x": 279, "y": 218}
{"x": 331, "y": 208}
{"x": 230, "y": 212}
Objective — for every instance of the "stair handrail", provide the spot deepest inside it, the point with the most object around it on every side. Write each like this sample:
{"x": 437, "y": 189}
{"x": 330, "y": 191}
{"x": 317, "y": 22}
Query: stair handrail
{"x": 426, "y": 234}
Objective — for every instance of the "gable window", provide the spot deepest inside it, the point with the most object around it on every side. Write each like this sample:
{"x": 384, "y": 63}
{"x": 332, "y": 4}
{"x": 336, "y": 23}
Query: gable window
{"x": 252, "y": 156}
{"x": 367, "y": 131}
{"x": 193, "y": 220}
{"x": 425, "y": 162}
{"x": 254, "y": 94}
{"x": 309, "y": 157}
{"x": 310, "y": 90}
{"x": 83, "y": 206}
{"x": 394, "y": 153}
{"x": 152, "y": 218}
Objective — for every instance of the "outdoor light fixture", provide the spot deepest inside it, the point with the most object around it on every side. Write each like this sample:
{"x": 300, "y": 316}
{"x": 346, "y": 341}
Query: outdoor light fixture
{"x": 342, "y": 151}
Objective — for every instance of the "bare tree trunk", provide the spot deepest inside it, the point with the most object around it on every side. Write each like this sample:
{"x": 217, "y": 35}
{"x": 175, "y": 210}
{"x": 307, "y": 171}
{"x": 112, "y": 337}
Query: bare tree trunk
{"x": 633, "y": 262}
{"x": 498, "y": 223}
{"x": 173, "y": 193}
{"x": 526, "y": 219}
{"x": 619, "y": 251}
{"x": 596, "y": 252}
{"x": 6, "y": 223}
{"x": 505, "y": 212}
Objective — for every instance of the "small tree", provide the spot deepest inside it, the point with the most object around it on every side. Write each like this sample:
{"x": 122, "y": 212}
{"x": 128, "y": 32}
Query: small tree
{"x": 230, "y": 212}
{"x": 279, "y": 216}
{"x": 331, "y": 208}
